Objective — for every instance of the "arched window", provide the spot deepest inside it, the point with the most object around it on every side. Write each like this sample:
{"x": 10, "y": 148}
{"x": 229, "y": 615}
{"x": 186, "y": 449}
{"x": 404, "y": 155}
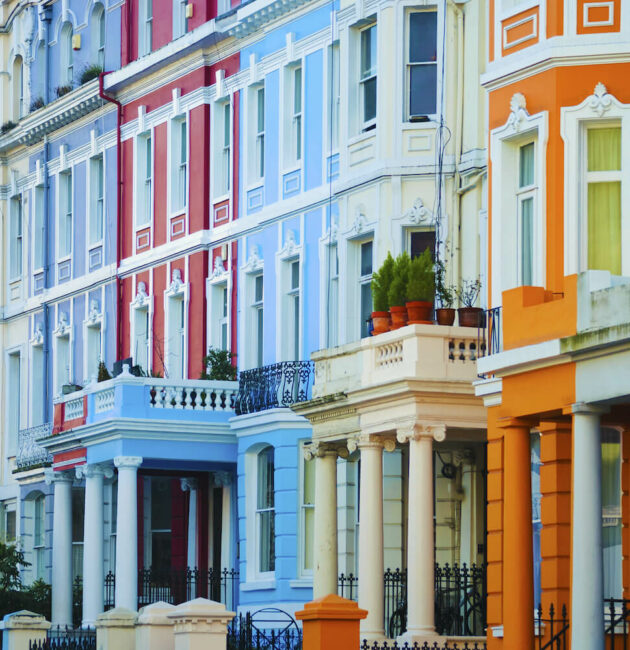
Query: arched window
{"x": 265, "y": 510}
{"x": 98, "y": 35}
{"x": 18, "y": 88}
{"x": 66, "y": 55}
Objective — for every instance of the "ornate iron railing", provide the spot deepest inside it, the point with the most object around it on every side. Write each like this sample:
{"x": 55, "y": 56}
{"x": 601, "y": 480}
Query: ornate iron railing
{"x": 551, "y": 631}
{"x": 460, "y": 607}
{"x": 110, "y": 591}
{"x": 66, "y": 638}
{"x": 253, "y": 631}
{"x": 175, "y": 587}
{"x": 616, "y": 623}
{"x": 394, "y": 645}
{"x": 30, "y": 453}
{"x": 274, "y": 386}
{"x": 489, "y": 333}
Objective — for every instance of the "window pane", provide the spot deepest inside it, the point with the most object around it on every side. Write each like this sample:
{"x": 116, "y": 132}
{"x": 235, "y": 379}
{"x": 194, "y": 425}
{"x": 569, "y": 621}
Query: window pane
{"x": 368, "y": 52}
{"x": 527, "y": 241}
{"x": 226, "y": 125}
{"x": 611, "y": 511}
{"x": 366, "y": 258}
{"x": 265, "y": 494}
{"x": 259, "y": 337}
{"x": 309, "y": 482}
{"x": 78, "y": 509}
{"x": 10, "y": 530}
{"x": 604, "y": 227}
{"x": 267, "y": 541}
{"x": 366, "y": 307}
{"x": 261, "y": 110}
{"x": 297, "y": 91}
{"x": 309, "y": 535}
{"x": 258, "y": 291}
{"x": 295, "y": 275}
{"x": 369, "y": 99}
{"x": 160, "y": 503}
{"x": 526, "y": 165}
{"x": 604, "y": 149}
{"x": 536, "y": 519}
{"x": 423, "y": 36}
{"x": 423, "y": 89}
{"x": 422, "y": 240}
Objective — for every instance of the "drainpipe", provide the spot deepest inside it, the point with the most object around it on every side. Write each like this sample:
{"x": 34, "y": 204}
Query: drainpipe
{"x": 459, "y": 136}
{"x": 107, "y": 98}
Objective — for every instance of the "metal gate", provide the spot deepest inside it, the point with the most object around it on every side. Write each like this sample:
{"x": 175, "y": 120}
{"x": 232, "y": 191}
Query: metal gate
{"x": 265, "y": 629}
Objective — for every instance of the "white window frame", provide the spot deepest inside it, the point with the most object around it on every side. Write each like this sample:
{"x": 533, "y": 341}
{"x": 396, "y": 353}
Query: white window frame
{"x": 94, "y": 320}
{"x": 330, "y": 283}
{"x": 285, "y": 300}
{"x": 250, "y": 307}
{"x": 141, "y": 307}
{"x": 98, "y": 34}
{"x": 179, "y": 164}
{"x": 222, "y": 176}
{"x": 9, "y": 507}
{"x": 16, "y": 229}
{"x": 367, "y": 125}
{"x": 332, "y": 92}
{"x": 13, "y": 398}
{"x": 524, "y": 194}
{"x": 67, "y": 54}
{"x": 180, "y": 21}
{"x": 17, "y": 72}
{"x": 303, "y": 572}
{"x": 145, "y": 27}
{"x": 293, "y": 117}
{"x": 257, "y": 138}
{"x": 65, "y": 211}
{"x": 409, "y": 65}
{"x": 176, "y": 337}
{"x": 39, "y": 545}
{"x": 96, "y": 200}
{"x": 36, "y": 378}
{"x": 39, "y": 208}
{"x": 218, "y": 282}
{"x": 61, "y": 377}
{"x": 144, "y": 170}
{"x": 519, "y": 129}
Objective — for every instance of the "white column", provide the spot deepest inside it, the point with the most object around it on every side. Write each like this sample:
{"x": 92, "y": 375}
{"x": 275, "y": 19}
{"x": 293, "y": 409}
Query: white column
{"x": 93, "y": 559}
{"x": 420, "y": 533}
{"x": 190, "y": 485}
{"x": 371, "y": 561}
{"x": 587, "y": 588}
{"x": 325, "y": 574}
{"x": 127, "y": 532}
{"x": 62, "y": 549}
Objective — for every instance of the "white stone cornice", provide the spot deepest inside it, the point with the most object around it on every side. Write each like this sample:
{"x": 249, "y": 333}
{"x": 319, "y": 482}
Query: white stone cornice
{"x": 413, "y": 430}
{"x": 128, "y": 462}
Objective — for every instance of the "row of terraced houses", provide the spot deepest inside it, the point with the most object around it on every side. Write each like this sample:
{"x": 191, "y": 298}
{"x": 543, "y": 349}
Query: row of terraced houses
{"x": 183, "y": 176}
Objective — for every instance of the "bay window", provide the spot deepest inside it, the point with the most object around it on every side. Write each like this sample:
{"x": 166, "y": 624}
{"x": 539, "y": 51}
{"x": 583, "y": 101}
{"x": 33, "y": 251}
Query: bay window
{"x": 422, "y": 64}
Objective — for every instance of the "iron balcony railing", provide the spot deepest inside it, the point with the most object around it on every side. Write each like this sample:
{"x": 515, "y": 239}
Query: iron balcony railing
{"x": 30, "y": 453}
{"x": 274, "y": 386}
{"x": 490, "y": 333}
{"x": 178, "y": 586}
{"x": 460, "y": 603}
{"x": 552, "y": 630}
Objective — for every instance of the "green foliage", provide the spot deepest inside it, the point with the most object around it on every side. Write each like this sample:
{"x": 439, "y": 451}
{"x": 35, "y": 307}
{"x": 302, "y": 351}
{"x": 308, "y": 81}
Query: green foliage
{"x": 7, "y": 126}
{"x": 468, "y": 292}
{"x": 11, "y": 559}
{"x": 421, "y": 282}
{"x": 397, "y": 294}
{"x": 63, "y": 90}
{"x": 446, "y": 293}
{"x": 381, "y": 282}
{"x": 217, "y": 365}
{"x": 37, "y": 103}
{"x": 90, "y": 72}
{"x": 103, "y": 373}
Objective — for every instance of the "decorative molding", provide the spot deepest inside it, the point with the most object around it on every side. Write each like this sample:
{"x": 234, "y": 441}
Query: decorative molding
{"x": 90, "y": 471}
{"x": 290, "y": 248}
{"x": 219, "y": 272}
{"x": 413, "y": 430}
{"x": 177, "y": 286}
{"x": 600, "y": 101}
{"x": 142, "y": 298}
{"x": 371, "y": 440}
{"x": 38, "y": 335}
{"x": 222, "y": 479}
{"x": 63, "y": 327}
{"x": 94, "y": 314}
{"x": 254, "y": 263}
{"x": 52, "y": 476}
{"x": 518, "y": 112}
{"x": 418, "y": 213}
{"x": 128, "y": 462}
{"x": 360, "y": 221}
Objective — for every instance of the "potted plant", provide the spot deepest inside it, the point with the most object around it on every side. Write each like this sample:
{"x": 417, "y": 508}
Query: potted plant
{"x": 468, "y": 293}
{"x": 445, "y": 314}
{"x": 397, "y": 294}
{"x": 103, "y": 373}
{"x": 420, "y": 289}
{"x": 381, "y": 282}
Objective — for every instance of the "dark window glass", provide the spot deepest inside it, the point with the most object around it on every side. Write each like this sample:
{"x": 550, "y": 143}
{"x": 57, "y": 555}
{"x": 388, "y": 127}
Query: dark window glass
{"x": 422, "y": 36}
{"x": 78, "y": 510}
{"x": 366, "y": 258}
{"x": 420, "y": 241}
{"x": 422, "y": 97}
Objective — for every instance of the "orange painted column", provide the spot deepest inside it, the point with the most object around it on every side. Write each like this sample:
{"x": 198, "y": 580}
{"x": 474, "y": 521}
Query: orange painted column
{"x": 555, "y": 486}
{"x": 331, "y": 623}
{"x": 518, "y": 559}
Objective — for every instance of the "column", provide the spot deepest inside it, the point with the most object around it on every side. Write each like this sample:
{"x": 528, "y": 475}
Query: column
{"x": 127, "y": 532}
{"x": 420, "y": 532}
{"x": 587, "y": 587}
{"x": 62, "y": 549}
{"x": 325, "y": 573}
{"x": 93, "y": 559}
{"x": 190, "y": 485}
{"x": 518, "y": 553}
{"x": 371, "y": 569}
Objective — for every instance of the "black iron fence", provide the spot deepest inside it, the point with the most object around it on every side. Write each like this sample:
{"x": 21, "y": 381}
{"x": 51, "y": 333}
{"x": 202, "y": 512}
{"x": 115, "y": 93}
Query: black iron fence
{"x": 552, "y": 629}
{"x": 460, "y": 603}
{"x": 616, "y": 623}
{"x": 274, "y": 386}
{"x": 250, "y": 631}
{"x": 178, "y": 586}
{"x": 449, "y": 645}
{"x": 489, "y": 333}
{"x": 66, "y": 638}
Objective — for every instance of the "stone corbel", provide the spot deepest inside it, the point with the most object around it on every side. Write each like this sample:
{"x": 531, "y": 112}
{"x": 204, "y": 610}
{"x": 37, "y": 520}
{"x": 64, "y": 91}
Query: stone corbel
{"x": 319, "y": 449}
{"x": 417, "y": 430}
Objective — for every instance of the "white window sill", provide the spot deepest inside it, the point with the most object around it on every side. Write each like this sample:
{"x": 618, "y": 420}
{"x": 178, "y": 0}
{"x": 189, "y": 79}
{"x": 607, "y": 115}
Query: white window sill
{"x": 364, "y": 135}
{"x": 301, "y": 583}
{"x": 296, "y": 167}
{"x": 220, "y": 198}
{"x": 255, "y": 184}
{"x": 429, "y": 124}
{"x": 259, "y": 585}
{"x": 142, "y": 226}
{"x": 178, "y": 212}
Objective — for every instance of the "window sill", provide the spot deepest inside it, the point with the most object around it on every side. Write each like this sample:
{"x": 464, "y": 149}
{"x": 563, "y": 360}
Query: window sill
{"x": 364, "y": 135}
{"x": 301, "y": 583}
{"x": 220, "y": 198}
{"x": 429, "y": 124}
{"x": 259, "y": 585}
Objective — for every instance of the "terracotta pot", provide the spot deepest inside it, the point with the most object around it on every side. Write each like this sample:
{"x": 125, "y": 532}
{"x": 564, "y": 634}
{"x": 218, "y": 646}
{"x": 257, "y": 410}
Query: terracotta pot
{"x": 380, "y": 322}
{"x": 419, "y": 312}
{"x": 399, "y": 317}
{"x": 471, "y": 317}
{"x": 445, "y": 316}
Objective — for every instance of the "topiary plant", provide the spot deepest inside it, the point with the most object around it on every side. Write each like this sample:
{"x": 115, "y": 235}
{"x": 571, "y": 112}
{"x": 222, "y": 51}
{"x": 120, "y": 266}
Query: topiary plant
{"x": 103, "y": 373}
{"x": 217, "y": 364}
{"x": 397, "y": 294}
{"x": 381, "y": 282}
{"x": 421, "y": 283}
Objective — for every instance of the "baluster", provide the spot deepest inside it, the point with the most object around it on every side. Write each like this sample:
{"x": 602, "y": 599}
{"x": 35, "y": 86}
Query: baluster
{"x": 187, "y": 400}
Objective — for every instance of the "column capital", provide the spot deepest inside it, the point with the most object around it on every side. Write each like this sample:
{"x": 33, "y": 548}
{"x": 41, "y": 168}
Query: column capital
{"x": 91, "y": 471}
{"x": 222, "y": 479}
{"x": 128, "y": 462}
{"x": 317, "y": 449}
{"x": 189, "y": 484}
{"x": 414, "y": 430}
{"x": 583, "y": 408}
{"x": 365, "y": 440}
{"x": 53, "y": 476}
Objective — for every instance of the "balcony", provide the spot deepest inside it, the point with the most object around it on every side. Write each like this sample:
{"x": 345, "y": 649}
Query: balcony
{"x": 30, "y": 454}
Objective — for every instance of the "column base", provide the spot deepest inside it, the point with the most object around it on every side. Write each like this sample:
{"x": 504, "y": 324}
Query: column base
{"x": 420, "y": 637}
